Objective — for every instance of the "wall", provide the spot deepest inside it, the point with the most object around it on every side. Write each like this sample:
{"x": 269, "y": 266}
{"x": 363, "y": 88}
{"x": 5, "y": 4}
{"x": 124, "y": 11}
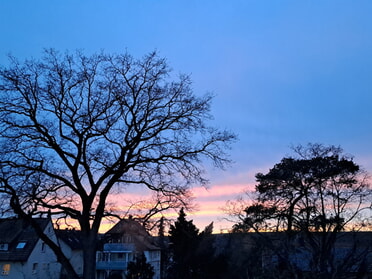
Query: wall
{"x": 41, "y": 264}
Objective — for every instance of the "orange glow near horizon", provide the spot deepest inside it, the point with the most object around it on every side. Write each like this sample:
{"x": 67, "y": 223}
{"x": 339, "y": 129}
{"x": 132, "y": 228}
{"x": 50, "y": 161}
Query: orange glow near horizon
{"x": 209, "y": 202}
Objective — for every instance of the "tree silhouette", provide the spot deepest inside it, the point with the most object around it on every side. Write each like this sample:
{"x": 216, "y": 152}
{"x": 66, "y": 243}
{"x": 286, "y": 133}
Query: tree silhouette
{"x": 192, "y": 253}
{"x": 74, "y": 126}
{"x": 140, "y": 269}
{"x": 311, "y": 199}
{"x": 183, "y": 237}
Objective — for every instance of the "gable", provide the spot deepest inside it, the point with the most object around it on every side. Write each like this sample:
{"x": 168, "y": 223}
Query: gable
{"x": 18, "y": 238}
{"x": 131, "y": 231}
{"x": 71, "y": 238}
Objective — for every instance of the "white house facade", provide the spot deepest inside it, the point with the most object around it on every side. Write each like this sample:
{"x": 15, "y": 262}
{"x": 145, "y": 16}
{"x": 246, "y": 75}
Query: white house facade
{"x": 23, "y": 255}
{"x": 122, "y": 244}
{"x": 70, "y": 242}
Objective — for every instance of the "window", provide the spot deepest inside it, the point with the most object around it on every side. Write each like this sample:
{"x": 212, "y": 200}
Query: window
{"x": 99, "y": 256}
{"x": 34, "y": 268}
{"x": 21, "y": 245}
{"x": 43, "y": 247}
{"x": 127, "y": 238}
{"x": 6, "y": 269}
{"x": 3, "y": 246}
{"x": 154, "y": 255}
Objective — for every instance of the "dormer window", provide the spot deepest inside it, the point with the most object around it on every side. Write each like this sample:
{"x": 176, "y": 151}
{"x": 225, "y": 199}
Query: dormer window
{"x": 3, "y": 246}
{"x": 21, "y": 245}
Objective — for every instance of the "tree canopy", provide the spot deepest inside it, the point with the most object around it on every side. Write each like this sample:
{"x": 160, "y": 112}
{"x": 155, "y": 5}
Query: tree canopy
{"x": 184, "y": 241}
{"x": 73, "y": 126}
{"x": 320, "y": 190}
{"x": 308, "y": 200}
{"x": 140, "y": 268}
{"x": 193, "y": 254}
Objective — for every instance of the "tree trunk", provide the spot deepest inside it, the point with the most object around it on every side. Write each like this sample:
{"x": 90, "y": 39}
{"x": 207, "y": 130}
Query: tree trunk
{"x": 89, "y": 253}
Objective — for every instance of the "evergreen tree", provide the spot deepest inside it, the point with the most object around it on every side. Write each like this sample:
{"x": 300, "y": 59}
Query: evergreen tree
{"x": 140, "y": 269}
{"x": 193, "y": 254}
{"x": 183, "y": 236}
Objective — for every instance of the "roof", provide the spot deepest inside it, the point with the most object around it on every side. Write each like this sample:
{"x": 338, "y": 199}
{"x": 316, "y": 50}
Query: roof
{"x": 127, "y": 226}
{"x": 17, "y": 232}
{"x": 73, "y": 238}
{"x": 353, "y": 246}
{"x": 139, "y": 236}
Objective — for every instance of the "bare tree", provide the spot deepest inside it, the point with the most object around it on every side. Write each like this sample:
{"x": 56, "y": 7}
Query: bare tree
{"x": 151, "y": 210}
{"x": 74, "y": 126}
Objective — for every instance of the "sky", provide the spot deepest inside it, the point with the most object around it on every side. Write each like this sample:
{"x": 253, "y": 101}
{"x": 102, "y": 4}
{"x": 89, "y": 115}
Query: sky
{"x": 283, "y": 72}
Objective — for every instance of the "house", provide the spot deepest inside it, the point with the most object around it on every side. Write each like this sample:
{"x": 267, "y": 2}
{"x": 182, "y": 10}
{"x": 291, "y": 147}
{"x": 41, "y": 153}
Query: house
{"x": 121, "y": 245}
{"x": 23, "y": 254}
{"x": 341, "y": 252}
{"x": 250, "y": 255}
{"x": 70, "y": 242}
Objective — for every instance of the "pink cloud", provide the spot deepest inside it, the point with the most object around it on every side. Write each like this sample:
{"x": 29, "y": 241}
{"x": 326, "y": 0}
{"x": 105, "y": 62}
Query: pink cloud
{"x": 220, "y": 190}
{"x": 210, "y": 203}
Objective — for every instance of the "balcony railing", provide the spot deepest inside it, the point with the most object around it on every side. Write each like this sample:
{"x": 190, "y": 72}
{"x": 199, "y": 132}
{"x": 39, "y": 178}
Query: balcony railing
{"x": 111, "y": 265}
{"x": 110, "y": 247}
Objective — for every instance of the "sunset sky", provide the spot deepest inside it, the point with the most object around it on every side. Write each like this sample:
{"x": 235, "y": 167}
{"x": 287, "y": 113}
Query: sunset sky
{"x": 283, "y": 72}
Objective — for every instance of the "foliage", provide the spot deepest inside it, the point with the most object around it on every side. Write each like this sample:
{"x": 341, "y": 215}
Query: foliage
{"x": 183, "y": 237}
{"x": 74, "y": 126}
{"x": 193, "y": 253}
{"x": 140, "y": 269}
{"x": 322, "y": 190}
{"x": 311, "y": 199}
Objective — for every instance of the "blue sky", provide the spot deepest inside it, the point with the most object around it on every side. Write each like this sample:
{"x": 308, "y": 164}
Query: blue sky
{"x": 283, "y": 72}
